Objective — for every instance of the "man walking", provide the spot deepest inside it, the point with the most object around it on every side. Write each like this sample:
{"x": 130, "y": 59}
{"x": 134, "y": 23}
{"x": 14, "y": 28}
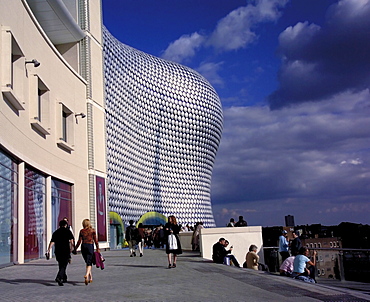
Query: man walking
{"x": 131, "y": 237}
{"x": 63, "y": 240}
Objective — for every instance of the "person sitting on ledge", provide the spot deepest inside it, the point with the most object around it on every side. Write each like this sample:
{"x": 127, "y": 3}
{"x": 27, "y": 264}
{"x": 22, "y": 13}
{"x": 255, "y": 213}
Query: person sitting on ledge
{"x": 286, "y": 268}
{"x": 300, "y": 265}
{"x": 252, "y": 258}
{"x": 221, "y": 255}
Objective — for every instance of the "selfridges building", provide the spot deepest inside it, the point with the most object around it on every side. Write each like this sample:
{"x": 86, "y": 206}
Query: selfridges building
{"x": 164, "y": 123}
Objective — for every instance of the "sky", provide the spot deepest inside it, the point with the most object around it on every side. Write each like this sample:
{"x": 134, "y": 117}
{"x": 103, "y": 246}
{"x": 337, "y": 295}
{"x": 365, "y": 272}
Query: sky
{"x": 293, "y": 78}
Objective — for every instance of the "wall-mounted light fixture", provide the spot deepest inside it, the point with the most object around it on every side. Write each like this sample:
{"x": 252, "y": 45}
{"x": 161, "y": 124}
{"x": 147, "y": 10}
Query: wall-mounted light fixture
{"x": 82, "y": 115}
{"x": 34, "y": 62}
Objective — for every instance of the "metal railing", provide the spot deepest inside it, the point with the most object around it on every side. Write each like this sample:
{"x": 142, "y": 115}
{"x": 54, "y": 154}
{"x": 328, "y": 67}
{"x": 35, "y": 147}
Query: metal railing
{"x": 347, "y": 264}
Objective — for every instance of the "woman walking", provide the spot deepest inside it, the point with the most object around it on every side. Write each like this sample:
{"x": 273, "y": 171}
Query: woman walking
{"x": 173, "y": 246}
{"x": 87, "y": 237}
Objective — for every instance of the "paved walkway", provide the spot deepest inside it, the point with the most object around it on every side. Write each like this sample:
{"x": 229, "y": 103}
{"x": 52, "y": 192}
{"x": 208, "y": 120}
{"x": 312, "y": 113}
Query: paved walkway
{"x": 148, "y": 279}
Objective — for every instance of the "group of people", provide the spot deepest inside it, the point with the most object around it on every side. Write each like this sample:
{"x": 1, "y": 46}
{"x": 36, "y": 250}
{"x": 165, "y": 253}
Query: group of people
{"x": 296, "y": 258}
{"x": 240, "y": 223}
{"x": 64, "y": 244}
{"x": 167, "y": 235}
{"x": 294, "y": 244}
{"x": 223, "y": 255}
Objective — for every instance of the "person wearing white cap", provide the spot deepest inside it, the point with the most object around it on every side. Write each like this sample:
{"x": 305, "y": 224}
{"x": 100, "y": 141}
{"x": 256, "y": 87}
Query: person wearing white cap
{"x": 284, "y": 245}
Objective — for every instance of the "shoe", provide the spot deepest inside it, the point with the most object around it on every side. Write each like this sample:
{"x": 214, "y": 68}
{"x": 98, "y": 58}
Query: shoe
{"x": 174, "y": 265}
{"x": 141, "y": 254}
{"x": 134, "y": 254}
{"x": 131, "y": 255}
{"x": 60, "y": 283}
{"x": 86, "y": 280}
{"x": 169, "y": 266}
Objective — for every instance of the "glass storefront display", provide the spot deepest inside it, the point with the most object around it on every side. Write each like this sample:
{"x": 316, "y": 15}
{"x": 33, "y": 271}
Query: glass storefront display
{"x": 8, "y": 202}
{"x": 61, "y": 201}
{"x": 34, "y": 214}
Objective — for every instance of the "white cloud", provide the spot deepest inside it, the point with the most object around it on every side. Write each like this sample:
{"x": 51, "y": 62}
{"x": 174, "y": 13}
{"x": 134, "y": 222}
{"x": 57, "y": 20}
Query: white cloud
{"x": 183, "y": 48}
{"x": 267, "y": 157}
{"x": 232, "y": 32}
{"x": 321, "y": 61}
{"x": 235, "y": 30}
{"x": 210, "y": 72}
{"x": 354, "y": 162}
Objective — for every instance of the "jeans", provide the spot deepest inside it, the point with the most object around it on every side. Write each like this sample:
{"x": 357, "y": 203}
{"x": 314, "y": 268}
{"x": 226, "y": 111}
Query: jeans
{"x": 231, "y": 258}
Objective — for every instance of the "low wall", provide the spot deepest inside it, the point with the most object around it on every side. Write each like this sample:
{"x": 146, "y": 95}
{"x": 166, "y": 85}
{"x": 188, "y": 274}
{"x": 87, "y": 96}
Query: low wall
{"x": 185, "y": 239}
{"x": 239, "y": 237}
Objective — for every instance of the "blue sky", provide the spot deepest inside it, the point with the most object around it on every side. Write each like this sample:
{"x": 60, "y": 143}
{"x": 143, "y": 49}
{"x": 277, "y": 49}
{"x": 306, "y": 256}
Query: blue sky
{"x": 293, "y": 78}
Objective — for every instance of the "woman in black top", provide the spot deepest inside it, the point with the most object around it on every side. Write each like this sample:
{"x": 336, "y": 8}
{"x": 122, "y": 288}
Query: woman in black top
{"x": 173, "y": 246}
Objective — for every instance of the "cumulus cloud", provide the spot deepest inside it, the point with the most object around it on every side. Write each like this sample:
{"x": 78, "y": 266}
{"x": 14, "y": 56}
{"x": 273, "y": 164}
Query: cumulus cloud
{"x": 210, "y": 72}
{"x": 236, "y": 29}
{"x": 183, "y": 48}
{"x": 232, "y": 32}
{"x": 278, "y": 162}
{"x": 354, "y": 162}
{"x": 318, "y": 62}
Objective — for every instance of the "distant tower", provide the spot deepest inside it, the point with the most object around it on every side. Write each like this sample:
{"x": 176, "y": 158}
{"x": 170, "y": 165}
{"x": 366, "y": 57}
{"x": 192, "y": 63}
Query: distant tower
{"x": 289, "y": 221}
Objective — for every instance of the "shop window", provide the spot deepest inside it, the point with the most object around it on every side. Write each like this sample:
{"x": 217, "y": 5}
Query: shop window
{"x": 66, "y": 131}
{"x": 12, "y": 69}
{"x": 61, "y": 200}
{"x": 34, "y": 214}
{"x": 8, "y": 206}
{"x": 39, "y": 105}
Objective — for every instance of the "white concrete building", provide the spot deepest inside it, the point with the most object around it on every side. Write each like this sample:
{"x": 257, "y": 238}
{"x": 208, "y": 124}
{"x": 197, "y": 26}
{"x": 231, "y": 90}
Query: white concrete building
{"x": 51, "y": 157}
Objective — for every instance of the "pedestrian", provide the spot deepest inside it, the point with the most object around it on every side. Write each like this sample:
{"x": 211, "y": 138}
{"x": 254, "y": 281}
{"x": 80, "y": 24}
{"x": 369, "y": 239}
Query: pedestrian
{"x": 221, "y": 255}
{"x": 162, "y": 237}
{"x": 241, "y": 222}
{"x": 87, "y": 238}
{"x": 286, "y": 268}
{"x": 140, "y": 238}
{"x": 131, "y": 237}
{"x": 252, "y": 258}
{"x": 63, "y": 240}
{"x": 230, "y": 258}
{"x": 300, "y": 265}
{"x": 296, "y": 244}
{"x": 231, "y": 223}
{"x": 284, "y": 245}
{"x": 196, "y": 235}
{"x": 69, "y": 227}
{"x": 173, "y": 246}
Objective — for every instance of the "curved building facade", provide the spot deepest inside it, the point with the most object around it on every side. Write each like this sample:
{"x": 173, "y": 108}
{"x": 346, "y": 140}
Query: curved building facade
{"x": 164, "y": 123}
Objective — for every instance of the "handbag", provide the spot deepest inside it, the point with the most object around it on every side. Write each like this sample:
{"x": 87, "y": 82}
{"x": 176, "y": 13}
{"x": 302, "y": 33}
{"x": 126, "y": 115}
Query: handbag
{"x": 172, "y": 242}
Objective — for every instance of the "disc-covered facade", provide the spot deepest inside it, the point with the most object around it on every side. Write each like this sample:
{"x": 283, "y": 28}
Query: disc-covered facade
{"x": 164, "y": 124}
